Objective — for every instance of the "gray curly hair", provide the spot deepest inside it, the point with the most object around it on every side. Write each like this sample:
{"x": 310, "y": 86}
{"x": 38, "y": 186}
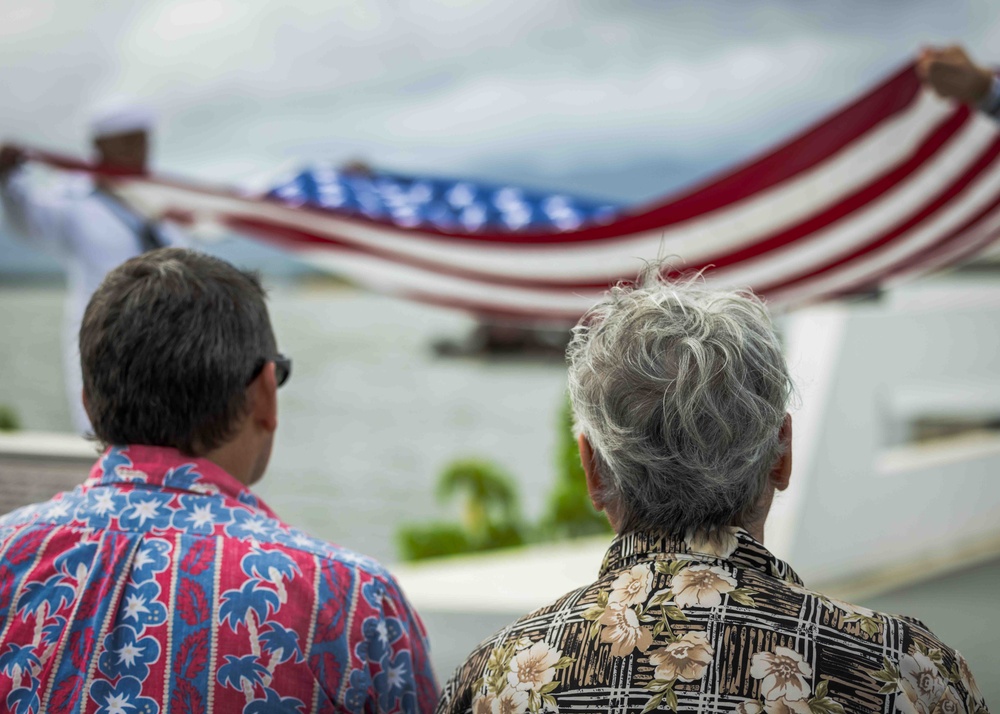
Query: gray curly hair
{"x": 681, "y": 391}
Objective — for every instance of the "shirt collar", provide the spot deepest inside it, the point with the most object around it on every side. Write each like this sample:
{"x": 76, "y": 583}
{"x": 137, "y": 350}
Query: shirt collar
{"x": 730, "y": 545}
{"x": 166, "y": 467}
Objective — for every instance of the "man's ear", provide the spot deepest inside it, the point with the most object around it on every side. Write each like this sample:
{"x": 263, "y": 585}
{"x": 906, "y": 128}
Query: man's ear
{"x": 781, "y": 474}
{"x": 595, "y": 486}
{"x": 263, "y": 396}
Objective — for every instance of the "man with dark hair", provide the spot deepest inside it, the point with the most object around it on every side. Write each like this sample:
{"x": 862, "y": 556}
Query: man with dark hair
{"x": 162, "y": 583}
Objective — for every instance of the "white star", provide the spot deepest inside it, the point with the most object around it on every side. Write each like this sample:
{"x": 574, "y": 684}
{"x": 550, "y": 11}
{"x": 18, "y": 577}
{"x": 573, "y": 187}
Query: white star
{"x": 128, "y": 653}
{"x": 135, "y": 605}
{"x": 58, "y": 509}
{"x": 256, "y": 526}
{"x": 146, "y": 509}
{"x": 394, "y": 676}
{"x": 382, "y": 630}
{"x": 104, "y": 501}
{"x": 202, "y": 516}
{"x": 117, "y": 704}
{"x": 301, "y": 539}
{"x": 142, "y": 558}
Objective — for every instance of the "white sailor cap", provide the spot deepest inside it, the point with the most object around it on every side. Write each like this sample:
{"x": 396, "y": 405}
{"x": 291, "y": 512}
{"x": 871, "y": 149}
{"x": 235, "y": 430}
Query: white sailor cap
{"x": 120, "y": 116}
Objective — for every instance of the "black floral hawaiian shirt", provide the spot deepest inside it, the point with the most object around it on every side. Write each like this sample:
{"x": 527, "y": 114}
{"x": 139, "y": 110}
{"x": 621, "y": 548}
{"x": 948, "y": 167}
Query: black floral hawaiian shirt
{"x": 709, "y": 625}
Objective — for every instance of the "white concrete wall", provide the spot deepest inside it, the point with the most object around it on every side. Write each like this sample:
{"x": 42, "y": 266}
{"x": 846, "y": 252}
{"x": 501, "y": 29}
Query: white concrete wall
{"x": 861, "y": 501}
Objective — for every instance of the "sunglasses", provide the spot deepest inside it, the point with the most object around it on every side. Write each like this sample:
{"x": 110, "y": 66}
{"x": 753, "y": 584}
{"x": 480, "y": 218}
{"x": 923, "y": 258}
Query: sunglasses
{"x": 282, "y": 368}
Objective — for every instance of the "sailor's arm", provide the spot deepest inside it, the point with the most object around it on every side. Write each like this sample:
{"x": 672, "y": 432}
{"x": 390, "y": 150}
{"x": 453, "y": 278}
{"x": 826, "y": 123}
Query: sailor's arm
{"x": 33, "y": 214}
{"x": 952, "y": 74}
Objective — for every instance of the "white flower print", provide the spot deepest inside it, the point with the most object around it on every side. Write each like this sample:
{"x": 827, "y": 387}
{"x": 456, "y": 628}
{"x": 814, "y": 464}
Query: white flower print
{"x": 921, "y": 683}
{"x": 621, "y": 629}
{"x": 701, "y": 586}
{"x": 632, "y": 587}
{"x": 686, "y": 659}
{"x": 783, "y": 673}
{"x": 509, "y": 701}
{"x": 749, "y": 707}
{"x": 532, "y": 668}
{"x": 950, "y": 703}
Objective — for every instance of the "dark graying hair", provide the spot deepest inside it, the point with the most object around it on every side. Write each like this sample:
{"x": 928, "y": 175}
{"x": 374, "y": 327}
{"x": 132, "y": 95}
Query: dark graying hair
{"x": 681, "y": 391}
{"x": 167, "y": 345}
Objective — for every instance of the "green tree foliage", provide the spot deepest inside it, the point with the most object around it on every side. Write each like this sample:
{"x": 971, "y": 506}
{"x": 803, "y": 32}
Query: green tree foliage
{"x": 8, "y": 419}
{"x": 490, "y": 514}
{"x": 490, "y": 506}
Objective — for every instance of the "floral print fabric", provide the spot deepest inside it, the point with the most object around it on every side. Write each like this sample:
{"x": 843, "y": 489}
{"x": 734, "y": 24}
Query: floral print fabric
{"x": 162, "y": 584}
{"x": 709, "y": 624}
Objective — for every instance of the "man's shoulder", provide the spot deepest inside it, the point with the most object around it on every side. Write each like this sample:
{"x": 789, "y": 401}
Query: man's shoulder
{"x": 300, "y": 544}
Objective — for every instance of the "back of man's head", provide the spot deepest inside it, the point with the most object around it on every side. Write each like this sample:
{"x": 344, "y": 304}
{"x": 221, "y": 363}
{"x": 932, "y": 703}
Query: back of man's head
{"x": 681, "y": 392}
{"x": 168, "y": 344}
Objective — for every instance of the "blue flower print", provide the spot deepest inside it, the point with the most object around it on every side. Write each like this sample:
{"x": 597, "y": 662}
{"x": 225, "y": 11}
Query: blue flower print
{"x": 201, "y": 514}
{"x": 374, "y": 593}
{"x": 128, "y": 654}
{"x": 395, "y": 678}
{"x": 246, "y": 525}
{"x": 357, "y": 694}
{"x": 380, "y": 634}
{"x": 141, "y": 607}
{"x": 76, "y": 562}
{"x": 273, "y": 703}
{"x": 98, "y": 506}
{"x": 240, "y": 671}
{"x": 123, "y": 697}
{"x": 151, "y": 558}
{"x": 247, "y": 498}
{"x": 146, "y": 510}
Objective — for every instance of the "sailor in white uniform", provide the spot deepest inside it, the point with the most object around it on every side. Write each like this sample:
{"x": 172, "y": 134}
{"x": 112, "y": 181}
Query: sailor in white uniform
{"x": 84, "y": 224}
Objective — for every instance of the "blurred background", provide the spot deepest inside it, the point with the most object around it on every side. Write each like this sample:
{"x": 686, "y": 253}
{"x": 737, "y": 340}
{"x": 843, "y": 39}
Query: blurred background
{"x": 624, "y": 101}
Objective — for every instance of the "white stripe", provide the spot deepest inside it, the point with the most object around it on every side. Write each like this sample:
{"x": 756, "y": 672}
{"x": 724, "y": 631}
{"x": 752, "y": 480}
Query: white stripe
{"x": 395, "y": 278}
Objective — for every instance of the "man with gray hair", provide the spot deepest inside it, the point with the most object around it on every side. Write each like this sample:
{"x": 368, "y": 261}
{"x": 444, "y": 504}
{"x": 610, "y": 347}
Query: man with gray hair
{"x": 680, "y": 396}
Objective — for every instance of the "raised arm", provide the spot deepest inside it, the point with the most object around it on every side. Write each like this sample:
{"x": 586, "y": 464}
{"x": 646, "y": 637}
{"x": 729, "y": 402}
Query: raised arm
{"x": 32, "y": 214}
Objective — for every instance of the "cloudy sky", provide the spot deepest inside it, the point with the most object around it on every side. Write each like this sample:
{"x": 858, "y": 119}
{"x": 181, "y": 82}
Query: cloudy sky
{"x": 619, "y": 98}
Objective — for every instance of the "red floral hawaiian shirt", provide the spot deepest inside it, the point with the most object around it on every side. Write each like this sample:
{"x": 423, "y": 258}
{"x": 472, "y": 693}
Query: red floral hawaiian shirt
{"x": 162, "y": 584}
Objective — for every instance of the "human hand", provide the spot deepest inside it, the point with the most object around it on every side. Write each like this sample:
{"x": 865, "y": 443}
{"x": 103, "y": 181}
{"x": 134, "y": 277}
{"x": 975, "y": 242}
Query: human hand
{"x": 10, "y": 158}
{"x": 953, "y": 75}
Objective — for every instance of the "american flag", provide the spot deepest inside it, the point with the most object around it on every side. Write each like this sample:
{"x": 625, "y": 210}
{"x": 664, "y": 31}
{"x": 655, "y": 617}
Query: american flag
{"x": 895, "y": 184}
